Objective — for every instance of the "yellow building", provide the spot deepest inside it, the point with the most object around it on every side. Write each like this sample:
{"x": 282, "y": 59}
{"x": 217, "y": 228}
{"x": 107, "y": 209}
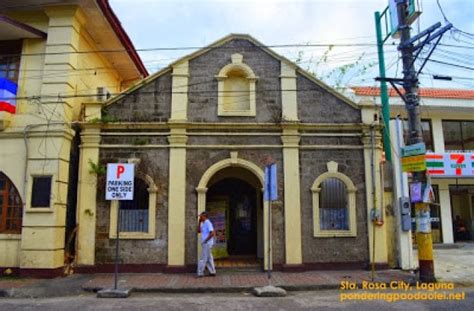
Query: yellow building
{"x": 52, "y": 54}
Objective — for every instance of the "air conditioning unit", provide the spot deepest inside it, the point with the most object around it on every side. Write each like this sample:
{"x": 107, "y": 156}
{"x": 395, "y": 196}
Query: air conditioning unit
{"x": 102, "y": 94}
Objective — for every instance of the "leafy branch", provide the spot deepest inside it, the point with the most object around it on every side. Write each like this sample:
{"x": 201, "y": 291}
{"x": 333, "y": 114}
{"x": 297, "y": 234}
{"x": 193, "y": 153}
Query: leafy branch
{"x": 97, "y": 168}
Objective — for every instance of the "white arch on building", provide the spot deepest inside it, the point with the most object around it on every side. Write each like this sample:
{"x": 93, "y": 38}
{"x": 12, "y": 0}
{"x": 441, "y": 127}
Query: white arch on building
{"x": 234, "y": 162}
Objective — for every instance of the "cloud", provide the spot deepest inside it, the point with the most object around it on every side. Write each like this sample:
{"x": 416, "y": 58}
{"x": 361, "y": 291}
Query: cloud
{"x": 157, "y": 23}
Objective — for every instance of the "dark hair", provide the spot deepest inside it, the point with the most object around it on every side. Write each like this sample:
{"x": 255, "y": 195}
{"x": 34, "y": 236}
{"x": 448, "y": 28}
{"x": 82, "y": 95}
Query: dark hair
{"x": 204, "y": 214}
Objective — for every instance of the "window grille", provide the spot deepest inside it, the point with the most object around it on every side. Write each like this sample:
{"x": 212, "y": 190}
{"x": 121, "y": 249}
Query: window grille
{"x": 333, "y": 213}
{"x": 134, "y": 213}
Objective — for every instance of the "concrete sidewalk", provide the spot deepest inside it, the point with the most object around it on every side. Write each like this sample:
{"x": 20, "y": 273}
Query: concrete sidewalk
{"x": 452, "y": 264}
{"x": 241, "y": 281}
{"x": 224, "y": 282}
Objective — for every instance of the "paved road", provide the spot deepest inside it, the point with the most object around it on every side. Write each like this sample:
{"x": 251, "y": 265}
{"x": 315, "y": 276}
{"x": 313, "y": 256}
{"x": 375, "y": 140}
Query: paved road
{"x": 316, "y": 300}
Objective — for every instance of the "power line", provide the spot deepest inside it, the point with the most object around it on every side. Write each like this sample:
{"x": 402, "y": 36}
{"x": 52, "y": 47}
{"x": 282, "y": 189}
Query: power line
{"x": 205, "y": 48}
{"x": 446, "y": 19}
{"x": 448, "y": 64}
{"x": 456, "y": 46}
{"x": 189, "y": 92}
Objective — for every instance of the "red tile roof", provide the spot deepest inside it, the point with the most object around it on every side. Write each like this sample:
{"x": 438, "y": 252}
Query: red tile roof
{"x": 424, "y": 92}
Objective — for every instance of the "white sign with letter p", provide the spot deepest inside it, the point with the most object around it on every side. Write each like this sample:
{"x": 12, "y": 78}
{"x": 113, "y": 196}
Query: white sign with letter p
{"x": 119, "y": 184}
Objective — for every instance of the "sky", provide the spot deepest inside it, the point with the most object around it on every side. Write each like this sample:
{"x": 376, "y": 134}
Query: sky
{"x": 162, "y": 24}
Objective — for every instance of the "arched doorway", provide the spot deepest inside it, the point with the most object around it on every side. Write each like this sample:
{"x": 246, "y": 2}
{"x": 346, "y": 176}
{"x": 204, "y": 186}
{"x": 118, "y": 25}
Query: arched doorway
{"x": 233, "y": 188}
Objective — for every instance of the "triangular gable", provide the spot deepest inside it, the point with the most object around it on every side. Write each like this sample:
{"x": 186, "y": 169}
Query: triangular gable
{"x": 221, "y": 42}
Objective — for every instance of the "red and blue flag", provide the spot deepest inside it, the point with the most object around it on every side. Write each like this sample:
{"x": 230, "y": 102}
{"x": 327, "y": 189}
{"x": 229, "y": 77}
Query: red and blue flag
{"x": 8, "y": 91}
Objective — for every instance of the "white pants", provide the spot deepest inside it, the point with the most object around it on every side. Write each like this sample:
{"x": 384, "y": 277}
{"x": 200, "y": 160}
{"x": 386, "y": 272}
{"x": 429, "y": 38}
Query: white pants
{"x": 206, "y": 260}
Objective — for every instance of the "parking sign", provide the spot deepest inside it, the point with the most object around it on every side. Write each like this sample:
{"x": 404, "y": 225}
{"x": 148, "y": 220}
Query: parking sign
{"x": 119, "y": 184}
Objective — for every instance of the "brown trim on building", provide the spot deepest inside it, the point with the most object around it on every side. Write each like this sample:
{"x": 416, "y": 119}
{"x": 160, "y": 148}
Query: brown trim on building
{"x": 35, "y": 32}
{"x": 42, "y": 273}
{"x": 15, "y": 271}
{"x": 349, "y": 265}
{"x": 378, "y": 266}
{"x": 163, "y": 268}
{"x": 122, "y": 35}
{"x": 180, "y": 269}
{"x": 123, "y": 268}
{"x": 293, "y": 268}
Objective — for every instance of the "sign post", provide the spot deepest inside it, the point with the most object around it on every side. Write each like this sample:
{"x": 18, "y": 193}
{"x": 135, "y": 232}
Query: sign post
{"x": 270, "y": 194}
{"x": 119, "y": 187}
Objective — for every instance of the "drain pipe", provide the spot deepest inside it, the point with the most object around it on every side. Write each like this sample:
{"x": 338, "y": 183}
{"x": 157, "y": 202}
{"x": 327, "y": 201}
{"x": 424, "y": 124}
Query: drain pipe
{"x": 380, "y": 220}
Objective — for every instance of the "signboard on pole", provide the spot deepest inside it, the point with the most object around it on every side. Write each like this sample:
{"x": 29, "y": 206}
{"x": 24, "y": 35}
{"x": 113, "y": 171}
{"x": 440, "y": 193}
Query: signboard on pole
{"x": 413, "y": 150}
{"x": 270, "y": 194}
{"x": 119, "y": 184}
{"x": 414, "y": 10}
{"x": 271, "y": 188}
{"x": 414, "y": 164}
{"x": 119, "y": 187}
{"x": 455, "y": 165}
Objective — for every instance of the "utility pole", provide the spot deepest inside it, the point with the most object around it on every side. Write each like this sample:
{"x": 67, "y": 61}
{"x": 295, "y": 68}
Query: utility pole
{"x": 412, "y": 105}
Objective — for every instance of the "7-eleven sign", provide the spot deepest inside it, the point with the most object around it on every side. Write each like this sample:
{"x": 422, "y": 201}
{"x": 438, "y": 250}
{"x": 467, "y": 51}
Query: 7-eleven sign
{"x": 450, "y": 164}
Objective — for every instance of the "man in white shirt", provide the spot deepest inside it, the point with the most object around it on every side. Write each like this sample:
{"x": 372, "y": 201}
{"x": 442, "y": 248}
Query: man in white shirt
{"x": 207, "y": 231}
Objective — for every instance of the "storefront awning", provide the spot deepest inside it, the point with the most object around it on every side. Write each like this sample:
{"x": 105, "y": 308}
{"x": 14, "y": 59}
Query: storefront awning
{"x": 11, "y": 29}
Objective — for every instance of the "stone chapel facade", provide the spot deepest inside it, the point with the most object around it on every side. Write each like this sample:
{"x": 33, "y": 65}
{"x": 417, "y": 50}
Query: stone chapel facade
{"x": 200, "y": 133}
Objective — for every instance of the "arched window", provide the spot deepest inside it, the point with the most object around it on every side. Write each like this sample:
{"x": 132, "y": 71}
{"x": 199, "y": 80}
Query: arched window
{"x": 11, "y": 207}
{"x": 334, "y": 204}
{"x": 236, "y": 89}
{"x": 333, "y": 208}
{"x": 137, "y": 217}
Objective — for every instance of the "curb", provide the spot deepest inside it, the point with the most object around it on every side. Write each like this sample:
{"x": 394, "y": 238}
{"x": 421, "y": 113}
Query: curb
{"x": 4, "y": 293}
{"x": 228, "y": 289}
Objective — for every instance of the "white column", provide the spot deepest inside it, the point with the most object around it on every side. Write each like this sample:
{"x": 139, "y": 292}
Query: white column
{"x": 179, "y": 97}
{"x": 289, "y": 110}
{"x": 400, "y": 189}
{"x": 177, "y": 198}
{"x": 446, "y": 215}
{"x": 437, "y": 132}
{"x": 291, "y": 170}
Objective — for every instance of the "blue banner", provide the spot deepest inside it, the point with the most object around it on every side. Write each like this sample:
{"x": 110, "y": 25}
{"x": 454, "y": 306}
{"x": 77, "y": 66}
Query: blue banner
{"x": 271, "y": 188}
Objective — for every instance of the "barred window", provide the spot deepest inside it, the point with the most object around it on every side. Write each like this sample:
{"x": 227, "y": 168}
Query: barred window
{"x": 334, "y": 204}
{"x": 11, "y": 206}
{"x": 134, "y": 213}
{"x": 334, "y": 213}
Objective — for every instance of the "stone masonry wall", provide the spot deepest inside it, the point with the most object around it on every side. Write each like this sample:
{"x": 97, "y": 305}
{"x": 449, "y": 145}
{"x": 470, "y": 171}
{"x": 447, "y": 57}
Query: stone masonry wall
{"x": 203, "y": 84}
{"x": 316, "y": 105}
{"x": 155, "y": 164}
{"x": 342, "y": 249}
{"x": 151, "y": 103}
